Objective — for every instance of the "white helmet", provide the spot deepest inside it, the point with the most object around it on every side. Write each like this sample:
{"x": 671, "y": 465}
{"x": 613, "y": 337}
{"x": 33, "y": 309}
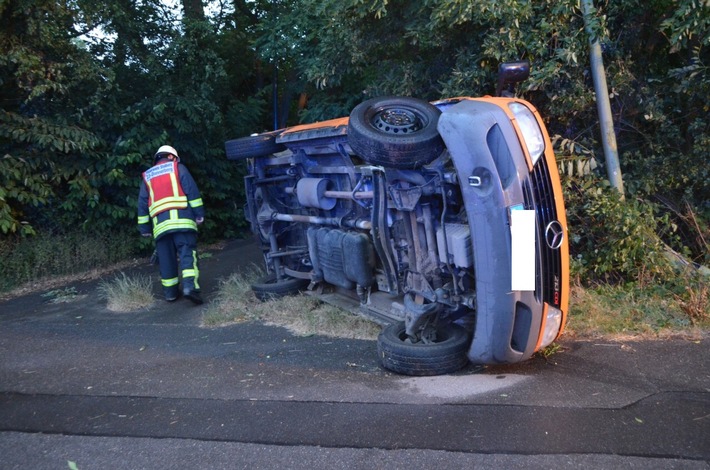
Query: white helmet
{"x": 164, "y": 150}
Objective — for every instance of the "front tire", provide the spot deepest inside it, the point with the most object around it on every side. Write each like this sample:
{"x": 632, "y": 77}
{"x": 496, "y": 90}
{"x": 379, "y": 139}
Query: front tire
{"x": 447, "y": 355}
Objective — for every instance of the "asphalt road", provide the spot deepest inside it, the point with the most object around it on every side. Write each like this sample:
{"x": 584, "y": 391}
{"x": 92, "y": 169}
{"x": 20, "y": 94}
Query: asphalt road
{"x": 155, "y": 390}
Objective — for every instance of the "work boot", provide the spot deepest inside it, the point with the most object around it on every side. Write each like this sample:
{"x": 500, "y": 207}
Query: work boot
{"x": 171, "y": 294}
{"x": 193, "y": 295}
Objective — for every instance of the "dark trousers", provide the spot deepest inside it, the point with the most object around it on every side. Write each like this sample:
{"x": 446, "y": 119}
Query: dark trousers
{"x": 174, "y": 248}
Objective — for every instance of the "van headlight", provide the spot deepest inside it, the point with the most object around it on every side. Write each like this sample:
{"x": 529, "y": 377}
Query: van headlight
{"x": 534, "y": 141}
{"x": 552, "y": 326}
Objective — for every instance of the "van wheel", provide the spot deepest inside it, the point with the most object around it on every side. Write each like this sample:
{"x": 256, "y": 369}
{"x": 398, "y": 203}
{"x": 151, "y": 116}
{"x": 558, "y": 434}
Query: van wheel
{"x": 268, "y": 287}
{"x": 397, "y": 132}
{"x": 446, "y": 355}
{"x": 258, "y": 145}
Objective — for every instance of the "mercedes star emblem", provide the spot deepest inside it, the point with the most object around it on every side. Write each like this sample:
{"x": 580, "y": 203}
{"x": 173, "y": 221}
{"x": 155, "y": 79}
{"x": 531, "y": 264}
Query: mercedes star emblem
{"x": 554, "y": 235}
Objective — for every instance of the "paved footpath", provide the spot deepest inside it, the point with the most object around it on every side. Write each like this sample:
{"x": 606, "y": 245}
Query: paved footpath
{"x": 155, "y": 390}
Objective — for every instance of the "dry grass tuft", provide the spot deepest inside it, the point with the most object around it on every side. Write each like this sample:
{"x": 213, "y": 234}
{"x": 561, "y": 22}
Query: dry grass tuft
{"x": 127, "y": 293}
{"x": 696, "y": 303}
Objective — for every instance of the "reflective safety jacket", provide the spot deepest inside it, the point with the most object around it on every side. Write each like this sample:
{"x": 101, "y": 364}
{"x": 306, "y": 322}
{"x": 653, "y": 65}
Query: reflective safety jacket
{"x": 169, "y": 200}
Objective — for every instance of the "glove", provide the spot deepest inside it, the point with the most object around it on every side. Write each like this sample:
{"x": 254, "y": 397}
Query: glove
{"x": 147, "y": 235}
{"x": 199, "y": 220}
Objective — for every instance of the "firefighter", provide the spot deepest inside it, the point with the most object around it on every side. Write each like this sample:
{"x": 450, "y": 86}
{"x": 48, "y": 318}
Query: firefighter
{"x": 170, "y": 209}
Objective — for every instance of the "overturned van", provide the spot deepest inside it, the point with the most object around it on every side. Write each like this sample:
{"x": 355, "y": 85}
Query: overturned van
{"x": 442, "y": 221}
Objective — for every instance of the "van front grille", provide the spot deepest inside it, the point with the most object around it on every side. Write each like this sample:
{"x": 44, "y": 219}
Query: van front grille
{"x": 540, "y": 196}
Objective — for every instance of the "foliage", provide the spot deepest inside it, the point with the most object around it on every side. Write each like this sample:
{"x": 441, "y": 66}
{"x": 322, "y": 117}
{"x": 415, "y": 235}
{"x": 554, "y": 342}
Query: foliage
{"x": 613, "y": 240}
{"x": 91, "y": 89}
{"x": 44, "y": 146}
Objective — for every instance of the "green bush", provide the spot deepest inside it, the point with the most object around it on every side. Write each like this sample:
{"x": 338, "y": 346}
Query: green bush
{"x": 32, "y": 259}
{"x": 613, "y": 240}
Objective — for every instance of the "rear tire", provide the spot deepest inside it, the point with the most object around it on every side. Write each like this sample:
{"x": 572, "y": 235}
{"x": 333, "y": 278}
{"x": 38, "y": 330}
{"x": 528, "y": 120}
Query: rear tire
{"x": 443, "y": 357}
{"x": 267, "y": 288}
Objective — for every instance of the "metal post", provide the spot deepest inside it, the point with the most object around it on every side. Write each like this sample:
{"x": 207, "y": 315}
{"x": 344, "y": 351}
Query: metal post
{"x": 601, "y": 91}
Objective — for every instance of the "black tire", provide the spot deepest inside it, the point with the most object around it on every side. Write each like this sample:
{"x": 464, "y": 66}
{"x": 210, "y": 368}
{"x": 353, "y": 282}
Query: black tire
{"x": 396, "y": 132}
{"x": 446, "y": 356}
{"x": 258, "y": 145}
{"x": 267, "y": 288}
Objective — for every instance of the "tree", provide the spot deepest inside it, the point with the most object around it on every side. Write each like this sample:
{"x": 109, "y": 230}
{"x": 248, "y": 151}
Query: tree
{"x": 80, "y": 121}
{"x": 193, "y": 10}
{"x": 47, "y": 80}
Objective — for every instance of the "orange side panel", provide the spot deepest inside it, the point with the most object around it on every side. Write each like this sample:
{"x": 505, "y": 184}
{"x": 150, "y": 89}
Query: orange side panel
{"x": 318, "y": 125}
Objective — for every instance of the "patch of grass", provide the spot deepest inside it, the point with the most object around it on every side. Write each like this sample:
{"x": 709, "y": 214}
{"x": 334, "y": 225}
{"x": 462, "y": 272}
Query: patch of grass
{"x": 233, "y": 303}
{"x": 127, "y": 293}
{"x": 643, "y": 311}
{"x": 550, "y": 350}
{"x": 303, "y": 315}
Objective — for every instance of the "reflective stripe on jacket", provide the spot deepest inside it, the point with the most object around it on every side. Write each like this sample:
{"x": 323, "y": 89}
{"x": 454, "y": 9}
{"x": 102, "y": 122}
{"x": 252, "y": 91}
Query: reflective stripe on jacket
{"x": 172, "y": 222}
